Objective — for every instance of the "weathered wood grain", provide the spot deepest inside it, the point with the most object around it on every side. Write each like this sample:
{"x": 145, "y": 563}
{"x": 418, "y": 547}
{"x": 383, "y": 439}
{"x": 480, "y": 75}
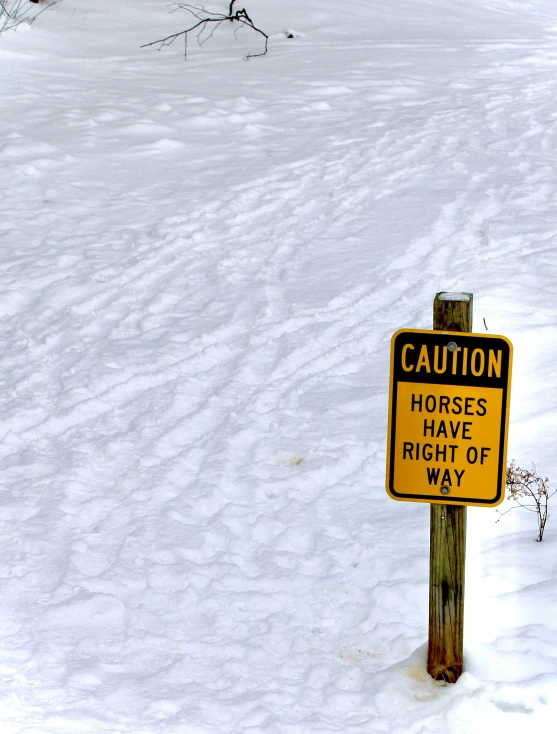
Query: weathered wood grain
{"x": 451, "y": 312}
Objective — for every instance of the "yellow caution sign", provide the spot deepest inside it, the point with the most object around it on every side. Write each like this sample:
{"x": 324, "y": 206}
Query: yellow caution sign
{"x": 448, "y": 417}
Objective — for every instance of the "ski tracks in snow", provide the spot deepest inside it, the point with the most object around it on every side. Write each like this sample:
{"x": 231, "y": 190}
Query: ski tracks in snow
{"x": 196, "y": 312}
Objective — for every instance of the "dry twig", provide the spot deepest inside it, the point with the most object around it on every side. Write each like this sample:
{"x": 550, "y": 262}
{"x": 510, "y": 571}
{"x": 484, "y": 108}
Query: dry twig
{"x": 206, "y": 18}
{"x": 530, "y": 492}
{"x": 15, "y": 12}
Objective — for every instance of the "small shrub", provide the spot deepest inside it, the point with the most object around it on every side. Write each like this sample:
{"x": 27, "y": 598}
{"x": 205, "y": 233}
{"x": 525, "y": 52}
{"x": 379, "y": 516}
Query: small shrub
{"x": 529, "y": 491}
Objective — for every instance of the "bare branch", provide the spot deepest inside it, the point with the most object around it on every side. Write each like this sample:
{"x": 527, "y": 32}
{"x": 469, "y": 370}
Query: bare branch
{"x": 204, "y": 19}
{"x": 17, "y": 12}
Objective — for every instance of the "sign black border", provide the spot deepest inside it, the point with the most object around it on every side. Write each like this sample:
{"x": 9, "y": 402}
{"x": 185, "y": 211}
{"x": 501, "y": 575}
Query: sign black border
{"x": 442, "y": 338}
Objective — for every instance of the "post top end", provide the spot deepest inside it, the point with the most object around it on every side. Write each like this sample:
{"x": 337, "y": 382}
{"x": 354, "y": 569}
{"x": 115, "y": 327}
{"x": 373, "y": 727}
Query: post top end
{"x": 454, "y": 296}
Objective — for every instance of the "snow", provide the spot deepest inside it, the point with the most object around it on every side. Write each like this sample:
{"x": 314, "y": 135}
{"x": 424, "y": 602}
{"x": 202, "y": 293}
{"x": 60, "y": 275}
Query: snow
{"x": 202, "y": 265}
{"x": 454, "y": 297}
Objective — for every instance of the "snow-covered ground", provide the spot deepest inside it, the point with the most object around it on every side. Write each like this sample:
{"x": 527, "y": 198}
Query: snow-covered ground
{"x": 201, "y": 267}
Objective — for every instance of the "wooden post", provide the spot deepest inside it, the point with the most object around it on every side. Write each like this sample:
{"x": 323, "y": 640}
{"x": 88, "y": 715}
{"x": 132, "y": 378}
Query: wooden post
{"x": 447, "y": 551}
